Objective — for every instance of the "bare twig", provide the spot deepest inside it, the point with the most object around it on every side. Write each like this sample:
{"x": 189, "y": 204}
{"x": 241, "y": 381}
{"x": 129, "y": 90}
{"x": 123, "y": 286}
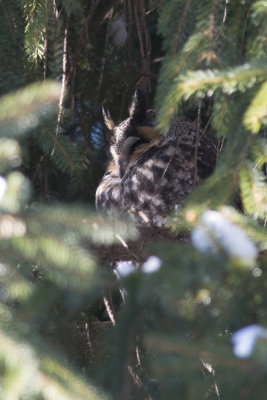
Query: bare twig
{"x": 144, "y": 42}
{"x": 180, "y": 26}
{"x": 207, "y": 125}
{"x": 46, "y": 42}
{"x": 139, "y": 33}
{"x": 11, "y": 27}
{"x": 197, "y": 143}
{"x": 64, "y": 80}
{"x": 109, "y": 310}
{"x": 72, "y": 86}
{"x": 73, "y": 69}
{"x": 220, "y": 147}
{"x": 56, "y": 12}
{"x": 37, "y": 169}
{"x": 103, "y": 60}
{"x": 130, "y": 13}
{"x": 88, "y": 340}
{"x": 58, "y": 144}
{"x": 57, "y": 15}
{"x": 45, "y": 177}
{"x": 132, "y": 20}
{"x": 223, "y": 20}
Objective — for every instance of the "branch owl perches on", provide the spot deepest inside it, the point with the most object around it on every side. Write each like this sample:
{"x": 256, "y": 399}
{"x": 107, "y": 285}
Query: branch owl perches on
{"x": 148, "y": 174}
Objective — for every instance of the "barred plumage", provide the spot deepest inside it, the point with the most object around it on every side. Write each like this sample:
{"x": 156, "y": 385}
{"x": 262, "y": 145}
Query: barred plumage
{"x": 149, "y": 175}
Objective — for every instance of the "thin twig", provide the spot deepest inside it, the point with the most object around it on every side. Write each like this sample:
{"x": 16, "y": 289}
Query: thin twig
{"x": 197, "y": 143}
{"x": 46, "y": 43}
{"x": 87, "y": 332}
{"x": 109, "y": 310}
{"x": 180, "y": 26}
{"x": 179, "y": 137}
{"x": 122, "y": 241}
{"x": 104, "y": 58}
{"x": 137, "y": 18}
{"x": 64, "y": 80}
{"x": 138, "y": 356}
{"x": 132, "y": 21}
{"x": 130, "y": 13}
{"x": 72, "y": 87}
{"x": 245, "y": 23}
{"x": 11, "y": 27}
{"x": 220, "y": 147}
{"x": 57, "y": 15}
{"x": 73, "y": 69}
{"x": 144, "y": 41}
{"x": 37, "y": 169}
{"x": 56, "y": 12}
{"x": 207, "y": 125}
{"x": 58, "y": 144}
{"x": 45, "y": 178}
{"x": 135, "y": 377}
{"x": 223, "y": 20}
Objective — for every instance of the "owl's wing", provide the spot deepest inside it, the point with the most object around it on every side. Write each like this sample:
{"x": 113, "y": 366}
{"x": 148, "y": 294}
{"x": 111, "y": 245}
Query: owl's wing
{"x": 163, "y": 176}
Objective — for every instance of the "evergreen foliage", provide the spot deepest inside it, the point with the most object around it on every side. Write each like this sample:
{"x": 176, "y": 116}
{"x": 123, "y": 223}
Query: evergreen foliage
{"x": 71, "y": 328}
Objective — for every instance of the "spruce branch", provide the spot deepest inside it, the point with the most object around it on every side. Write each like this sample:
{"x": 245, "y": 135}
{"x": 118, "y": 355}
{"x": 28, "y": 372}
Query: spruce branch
{"x": 22, "y": 110}
{"x": 256, "y": 114}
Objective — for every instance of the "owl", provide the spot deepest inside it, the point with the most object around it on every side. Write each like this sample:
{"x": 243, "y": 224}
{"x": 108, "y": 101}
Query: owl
{"x": 150, "y": 174}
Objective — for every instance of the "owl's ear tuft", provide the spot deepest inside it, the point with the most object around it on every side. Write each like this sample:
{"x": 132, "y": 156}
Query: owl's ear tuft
{"x": 138, "y": 108}
{"x": 108, "y": 120}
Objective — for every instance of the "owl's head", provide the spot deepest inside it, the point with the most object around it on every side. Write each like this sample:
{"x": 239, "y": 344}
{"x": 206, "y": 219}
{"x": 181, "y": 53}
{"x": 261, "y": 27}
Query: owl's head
{"x": 133, "y": 133}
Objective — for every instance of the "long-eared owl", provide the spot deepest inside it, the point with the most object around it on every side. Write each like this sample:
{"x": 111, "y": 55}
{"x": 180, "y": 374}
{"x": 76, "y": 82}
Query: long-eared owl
{"x": 148, "y": 174}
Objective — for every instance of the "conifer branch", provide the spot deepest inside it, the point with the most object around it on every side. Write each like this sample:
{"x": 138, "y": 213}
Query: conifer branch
{"x": 256, "y": 114}
{"x": 181, "y": 24}
{"x": 58, "y": 145}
